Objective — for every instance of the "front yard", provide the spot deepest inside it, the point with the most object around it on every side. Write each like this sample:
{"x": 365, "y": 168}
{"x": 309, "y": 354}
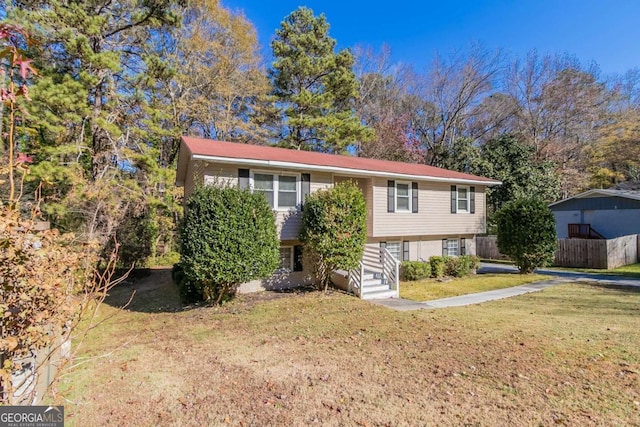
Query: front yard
{"x": 430, "y": 289}
{"x": 569, "y": 355}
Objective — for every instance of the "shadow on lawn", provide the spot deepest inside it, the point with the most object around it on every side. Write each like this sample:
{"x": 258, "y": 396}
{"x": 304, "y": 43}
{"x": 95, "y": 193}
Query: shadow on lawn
{"x": 153, "y": 291}
{"x": 147, "y": 291}
{"x": 613, "y": 287}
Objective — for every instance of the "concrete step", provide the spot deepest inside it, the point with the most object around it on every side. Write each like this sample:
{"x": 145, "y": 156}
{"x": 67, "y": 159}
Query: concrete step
{"x": 375, "y": 287}
{"x": 389, "y": 293}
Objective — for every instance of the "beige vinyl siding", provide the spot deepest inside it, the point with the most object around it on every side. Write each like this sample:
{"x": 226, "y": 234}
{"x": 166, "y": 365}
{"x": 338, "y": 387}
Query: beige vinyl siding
{"x": 320, "y": 180}
{"x": 434, "y": 215}
{"x": 288, "y": 224}
{"x": 220, "y": 173}
{"x": 287, "y": 221}
{"x": 368, "y": 195}
{"x": 189, "y": 182}
{"x": 194, "y": 177}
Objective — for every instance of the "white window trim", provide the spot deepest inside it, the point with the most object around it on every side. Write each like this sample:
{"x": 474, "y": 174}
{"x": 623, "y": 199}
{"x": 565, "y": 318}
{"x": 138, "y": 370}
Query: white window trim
{"x": 291, "y": 261}
{"x": 458, "y": 210}
{"x": 276, "y": 187}
{"x": 409, "y": 186}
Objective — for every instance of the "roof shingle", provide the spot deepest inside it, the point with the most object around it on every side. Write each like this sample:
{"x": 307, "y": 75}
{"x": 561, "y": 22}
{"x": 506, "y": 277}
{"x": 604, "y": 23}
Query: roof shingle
{"x": 220, "y": 149}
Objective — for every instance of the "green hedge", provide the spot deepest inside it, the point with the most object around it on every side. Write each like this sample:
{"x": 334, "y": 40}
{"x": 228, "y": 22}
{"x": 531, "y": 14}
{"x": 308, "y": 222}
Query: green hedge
{"x": 439, "y": 266}
{"x": 334, "y": 229}
{"x": 415, "y": 270}
{"x": 460, "y": 266}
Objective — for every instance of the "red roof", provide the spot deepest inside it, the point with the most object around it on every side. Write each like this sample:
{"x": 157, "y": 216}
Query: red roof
{"x": 231, "y": 150}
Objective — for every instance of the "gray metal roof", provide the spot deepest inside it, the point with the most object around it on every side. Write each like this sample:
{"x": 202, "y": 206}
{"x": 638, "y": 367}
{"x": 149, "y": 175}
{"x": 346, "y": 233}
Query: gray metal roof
{"x": 629, "y": 194}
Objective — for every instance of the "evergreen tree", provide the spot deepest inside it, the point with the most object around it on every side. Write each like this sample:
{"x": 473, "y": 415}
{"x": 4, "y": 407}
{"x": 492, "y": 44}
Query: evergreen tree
{"x": 513, "y": 163}
{"x": 314, "y": 87}
{"x": 95, "y": 158}
{"x": 527, "y": 233}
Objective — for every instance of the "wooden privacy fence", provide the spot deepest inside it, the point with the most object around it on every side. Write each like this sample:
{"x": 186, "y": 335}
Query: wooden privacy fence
{"x": 581, "y": 253}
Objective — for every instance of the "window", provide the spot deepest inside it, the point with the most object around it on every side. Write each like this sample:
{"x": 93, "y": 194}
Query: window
{"x": 263, "y": 183}
{"x": 394, "y": 249}
{"x": 463, "y": 199}
{"x": 450, "y": 247}
{"x": 290, "y": 259}
{"x": 403, "y": 200}
{"x": 287, "y": 194}
{"x": 286, "y": 259}
{"x": 281, "y": 191}
{"x": 402, "y": 196}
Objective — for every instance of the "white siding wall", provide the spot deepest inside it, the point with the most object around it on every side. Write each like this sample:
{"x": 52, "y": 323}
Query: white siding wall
{"x": 434, "y": 215}
{"x": 614, "y": 222}
{"x": 563, "y": 219}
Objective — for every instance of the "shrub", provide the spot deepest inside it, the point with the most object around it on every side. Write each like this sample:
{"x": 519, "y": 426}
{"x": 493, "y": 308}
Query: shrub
{"x": 415, "y": 270}
{"x": 527, "y": 233}
{"x": 47, "y": 284}
{"x": 189, "y": 292}
{"x": 437, "y": 266}
{"x": 474, "y": 262}
{"x": 228, "y": 237}
{"x": 334, "y": 229}
{"x": 461, "y": 266}
{"x": 456, "y": 266}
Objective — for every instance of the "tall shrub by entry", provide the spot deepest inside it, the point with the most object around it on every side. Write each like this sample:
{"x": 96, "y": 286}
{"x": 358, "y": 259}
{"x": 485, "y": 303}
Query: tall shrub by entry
{"x": 334, "y": 230}
{"x": 228, "y": 237}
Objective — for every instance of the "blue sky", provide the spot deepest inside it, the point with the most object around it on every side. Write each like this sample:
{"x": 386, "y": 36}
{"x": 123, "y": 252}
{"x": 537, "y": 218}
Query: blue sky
{"x": 607, "y": 32}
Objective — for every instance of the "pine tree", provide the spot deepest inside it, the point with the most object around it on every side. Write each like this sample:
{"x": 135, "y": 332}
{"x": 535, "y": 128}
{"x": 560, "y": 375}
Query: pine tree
{"x": 89, "y": 122}
{"x": 314, "y": 87}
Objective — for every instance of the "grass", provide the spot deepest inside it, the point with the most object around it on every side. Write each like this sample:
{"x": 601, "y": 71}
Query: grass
{"x": 430, "y": 289}
{"x": 568, "y": 355}
{"x": 631, "y": 270}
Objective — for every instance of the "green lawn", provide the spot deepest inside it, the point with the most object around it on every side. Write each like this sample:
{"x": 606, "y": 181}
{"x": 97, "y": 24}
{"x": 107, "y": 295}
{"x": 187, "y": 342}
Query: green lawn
{"x": 568, "y": 355}
{"x": 430, "y": 289}
{"x": 631, "y": 270}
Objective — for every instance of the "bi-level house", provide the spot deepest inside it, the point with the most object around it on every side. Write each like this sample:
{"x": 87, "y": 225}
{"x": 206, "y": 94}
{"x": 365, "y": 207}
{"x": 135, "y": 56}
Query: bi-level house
{"x": 414, "y": 211}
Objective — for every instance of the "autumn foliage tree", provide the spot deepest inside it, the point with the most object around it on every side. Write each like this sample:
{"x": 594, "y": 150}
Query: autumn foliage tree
{"x": 16, "y": 73}
{"x": 47, "y": 280}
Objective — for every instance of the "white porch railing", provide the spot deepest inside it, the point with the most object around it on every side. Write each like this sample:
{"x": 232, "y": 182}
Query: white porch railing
{"x": 378, "y": 268}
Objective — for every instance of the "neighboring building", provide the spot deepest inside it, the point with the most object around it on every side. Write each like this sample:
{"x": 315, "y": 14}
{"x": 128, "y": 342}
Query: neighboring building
{"x": 608, "y": 213}
{"x": 414, "y": 211}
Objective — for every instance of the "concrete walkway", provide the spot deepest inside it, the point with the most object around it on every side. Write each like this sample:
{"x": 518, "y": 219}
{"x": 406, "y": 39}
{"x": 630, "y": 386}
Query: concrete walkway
{"x": 401, "y": 304}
